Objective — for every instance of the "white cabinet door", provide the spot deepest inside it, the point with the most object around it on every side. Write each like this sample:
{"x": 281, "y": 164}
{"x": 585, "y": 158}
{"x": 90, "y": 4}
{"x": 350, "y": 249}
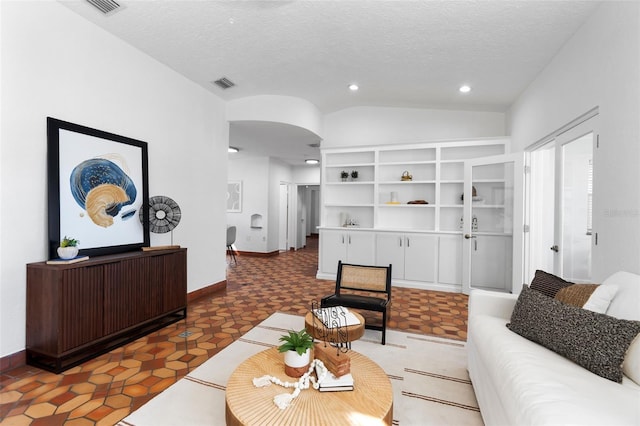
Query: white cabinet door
{"x": 450, "y": 260}
{"x": 360, "y": 247}
{"x": 390, "y": 250}
{"x": 348, "y": 246}
{"x": 333, "y": 247}
{"x": 491, "y": 262}
{"x": 420, "y": 257}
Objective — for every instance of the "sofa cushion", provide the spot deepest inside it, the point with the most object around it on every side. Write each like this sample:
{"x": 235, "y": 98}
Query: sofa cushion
{"x": 547, "y": 283}
{"x": 593, "y": 297}
{"x": 626, "y": 304}
{"x": 594, "y": 341}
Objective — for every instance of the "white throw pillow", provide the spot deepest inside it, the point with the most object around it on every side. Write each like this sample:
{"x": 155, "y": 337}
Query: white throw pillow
{"x": 601, "y": 298}
{"x": 626, "y": 304}
{"x": 631, "y": 364}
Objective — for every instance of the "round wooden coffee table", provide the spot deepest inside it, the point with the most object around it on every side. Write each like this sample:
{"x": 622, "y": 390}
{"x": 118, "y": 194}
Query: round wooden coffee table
{"x": 316, "y": 328}
{"x": 371, "y": 401}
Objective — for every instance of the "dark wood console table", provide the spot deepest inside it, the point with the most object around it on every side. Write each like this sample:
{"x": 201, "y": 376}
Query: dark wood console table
{"x": 78, "y": 311}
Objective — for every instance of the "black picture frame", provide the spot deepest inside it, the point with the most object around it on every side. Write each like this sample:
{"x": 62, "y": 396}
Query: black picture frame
{"x": 97, "y": 184}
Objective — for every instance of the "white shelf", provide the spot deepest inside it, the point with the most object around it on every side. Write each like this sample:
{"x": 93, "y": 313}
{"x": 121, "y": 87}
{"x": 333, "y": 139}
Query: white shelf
{"x": 405, "y": 205}
{"x": 357, "y": 182}
{"x": 405, "y": 163}
{"x": 408, "y": 182}
{"x": 348, "y": 205}
{"x": 349, "y": 165}
{"x": 477, "y": 181}
{"x": 438, "y": 177}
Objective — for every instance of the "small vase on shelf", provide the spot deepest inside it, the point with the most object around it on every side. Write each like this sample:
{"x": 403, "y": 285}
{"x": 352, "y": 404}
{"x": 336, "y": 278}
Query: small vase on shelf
{"x": 68, "y": 248}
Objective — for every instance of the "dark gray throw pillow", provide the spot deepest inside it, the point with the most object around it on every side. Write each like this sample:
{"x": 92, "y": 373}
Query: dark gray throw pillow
{"x": 594, "y": 341}
{"x": 547, "y": 283}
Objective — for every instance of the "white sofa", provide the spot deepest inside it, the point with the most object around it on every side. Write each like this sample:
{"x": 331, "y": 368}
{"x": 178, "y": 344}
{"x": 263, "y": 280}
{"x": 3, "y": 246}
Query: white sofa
{"x": 518, "y": 382}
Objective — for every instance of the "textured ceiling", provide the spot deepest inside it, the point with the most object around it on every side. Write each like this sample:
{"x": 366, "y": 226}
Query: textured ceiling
{"x": 400, "y": 53}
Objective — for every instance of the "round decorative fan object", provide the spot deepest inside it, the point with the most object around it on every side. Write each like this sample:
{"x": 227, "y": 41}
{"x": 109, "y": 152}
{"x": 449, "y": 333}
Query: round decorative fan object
{"x": 164, "y": 214}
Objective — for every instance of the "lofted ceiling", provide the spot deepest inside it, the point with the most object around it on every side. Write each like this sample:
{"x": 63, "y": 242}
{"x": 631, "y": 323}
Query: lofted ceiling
{"x": 400, "y": 53}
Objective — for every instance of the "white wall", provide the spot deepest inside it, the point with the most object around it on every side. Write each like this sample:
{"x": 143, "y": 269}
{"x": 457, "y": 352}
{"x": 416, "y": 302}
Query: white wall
{"x": 278, "y": 109}
{"x": 55, "y": 63}
{"x": 381, "y": 126}
{"x": 598, "y": 67}
{"x": 261, "y": 178}
{"x": 308, "y": 175}
{"x": 253, "y": 172}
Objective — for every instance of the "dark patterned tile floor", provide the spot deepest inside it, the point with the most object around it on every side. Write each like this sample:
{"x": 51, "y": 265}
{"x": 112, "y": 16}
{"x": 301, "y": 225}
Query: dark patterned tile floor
{"x": 106, "y": 389}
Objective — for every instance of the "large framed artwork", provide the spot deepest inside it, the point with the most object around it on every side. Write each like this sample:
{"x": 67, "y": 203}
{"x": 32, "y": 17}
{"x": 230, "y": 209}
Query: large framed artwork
{"x": 98, "y": 183}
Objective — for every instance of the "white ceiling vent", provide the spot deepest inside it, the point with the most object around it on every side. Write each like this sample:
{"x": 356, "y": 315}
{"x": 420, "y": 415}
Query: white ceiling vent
{"x": 224, "y": 83}
{"x": 105, "y": 6}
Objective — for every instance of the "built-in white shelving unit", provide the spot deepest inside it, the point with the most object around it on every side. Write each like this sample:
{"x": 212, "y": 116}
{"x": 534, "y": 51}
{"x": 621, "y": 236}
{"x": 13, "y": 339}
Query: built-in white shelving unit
{"x": 437, "y": 171}
{"x": 377, "y": 203}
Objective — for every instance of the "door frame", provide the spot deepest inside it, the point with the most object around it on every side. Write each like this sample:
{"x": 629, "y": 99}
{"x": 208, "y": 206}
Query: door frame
{"x": 574, "y": 127}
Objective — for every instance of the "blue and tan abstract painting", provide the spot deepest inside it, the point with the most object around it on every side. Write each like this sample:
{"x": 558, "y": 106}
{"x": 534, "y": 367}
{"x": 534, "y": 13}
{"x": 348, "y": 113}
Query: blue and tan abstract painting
{"x": 102, "y": 188}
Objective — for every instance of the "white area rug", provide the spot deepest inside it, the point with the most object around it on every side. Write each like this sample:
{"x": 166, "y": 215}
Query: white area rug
{"x": 429, "y": 377}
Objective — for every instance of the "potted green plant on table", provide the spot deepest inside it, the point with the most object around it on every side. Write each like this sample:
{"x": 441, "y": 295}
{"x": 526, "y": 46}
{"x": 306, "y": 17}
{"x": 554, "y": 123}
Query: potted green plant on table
{"x": 297, "y": 352}
{"x": 354, "y": 174}
{"x": 68, "y": 248}
{"x": 344, "y": 175}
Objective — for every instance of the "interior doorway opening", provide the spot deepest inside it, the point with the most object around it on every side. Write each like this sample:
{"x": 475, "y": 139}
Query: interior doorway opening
{"x": 299, "y": 214}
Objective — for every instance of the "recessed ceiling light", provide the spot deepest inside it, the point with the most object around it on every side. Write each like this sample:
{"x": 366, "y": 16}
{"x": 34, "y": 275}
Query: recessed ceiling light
{"x": 233, "y": 149}
{"x": 353, "y": 87}
{"x": 465, "y": 89}
{"x": 311, "y": 161}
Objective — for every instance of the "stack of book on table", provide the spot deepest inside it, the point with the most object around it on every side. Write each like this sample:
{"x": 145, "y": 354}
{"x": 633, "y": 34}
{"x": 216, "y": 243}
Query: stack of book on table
{"x": 332, "y": 383}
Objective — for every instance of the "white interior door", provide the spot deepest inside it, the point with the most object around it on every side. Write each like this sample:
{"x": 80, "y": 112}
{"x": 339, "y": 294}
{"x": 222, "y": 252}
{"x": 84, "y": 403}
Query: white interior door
{"x": 541, "y": 214}
{"x": 283, "y": 231}
{"x": 301, "y": 225}
{"x": 493, "y": 223}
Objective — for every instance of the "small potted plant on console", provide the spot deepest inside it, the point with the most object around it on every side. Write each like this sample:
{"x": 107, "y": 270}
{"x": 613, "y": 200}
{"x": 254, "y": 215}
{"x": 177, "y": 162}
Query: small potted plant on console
{"x": 68, "y": 248}
{"x": 297, "y": 352}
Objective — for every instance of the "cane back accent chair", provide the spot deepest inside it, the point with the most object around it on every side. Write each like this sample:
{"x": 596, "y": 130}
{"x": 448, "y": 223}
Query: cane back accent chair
{"x": 363, "y": 287}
